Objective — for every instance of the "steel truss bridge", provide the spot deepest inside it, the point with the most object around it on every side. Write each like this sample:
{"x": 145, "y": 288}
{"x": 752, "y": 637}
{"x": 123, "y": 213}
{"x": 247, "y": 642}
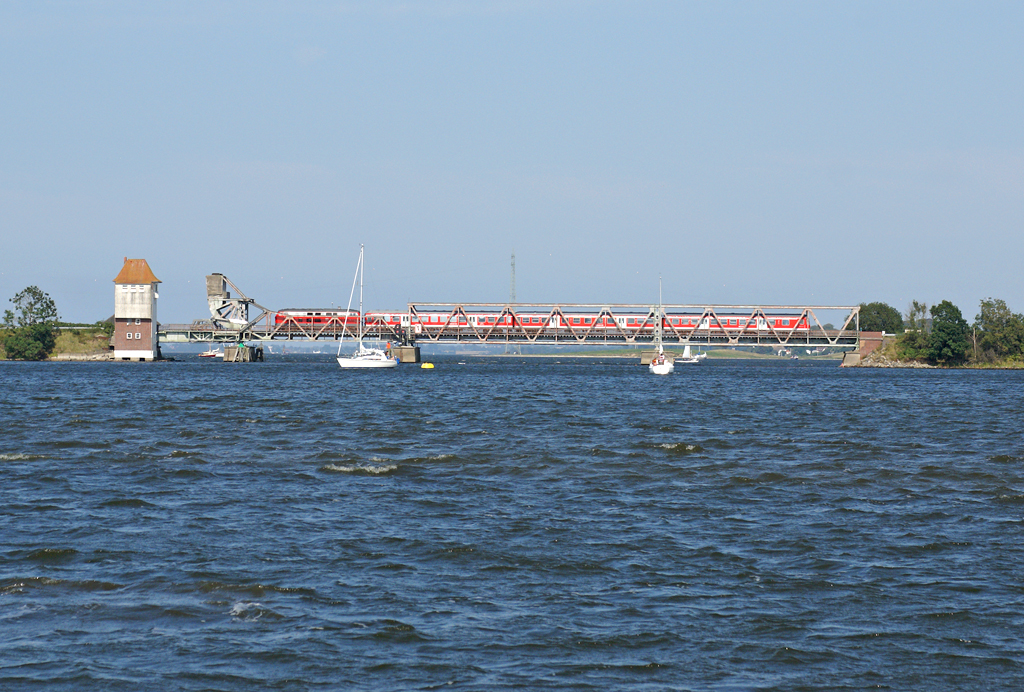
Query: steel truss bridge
{"x": 780, "y": 326}
{"x": 630, "y": 324}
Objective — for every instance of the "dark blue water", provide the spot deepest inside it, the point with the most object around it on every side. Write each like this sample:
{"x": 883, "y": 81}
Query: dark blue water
{"x": 509, "y": 524}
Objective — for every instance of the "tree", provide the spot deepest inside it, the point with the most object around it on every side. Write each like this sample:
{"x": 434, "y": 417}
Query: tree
{"x": 879, "y": 317}
{"x": 32, "y": 325}
{"x": 914, "y": 343}
{"x": 1000, "y": 333}
{"x": 32, "y": 306}
{"x": 948, "y": 343}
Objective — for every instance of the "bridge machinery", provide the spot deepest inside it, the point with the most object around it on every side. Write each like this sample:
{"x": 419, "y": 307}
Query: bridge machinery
{"x": 229, "y": 319}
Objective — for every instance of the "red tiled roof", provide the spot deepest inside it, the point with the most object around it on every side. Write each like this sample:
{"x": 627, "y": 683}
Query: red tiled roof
{"x": 136, "y": 271}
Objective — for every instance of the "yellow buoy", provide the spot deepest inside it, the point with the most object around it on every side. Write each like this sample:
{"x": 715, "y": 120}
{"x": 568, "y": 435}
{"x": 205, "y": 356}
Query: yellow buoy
{"x": 427, "y": 366}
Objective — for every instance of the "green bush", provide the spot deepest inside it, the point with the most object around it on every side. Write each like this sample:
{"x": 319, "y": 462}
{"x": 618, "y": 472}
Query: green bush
{"x": 33, "y": 342}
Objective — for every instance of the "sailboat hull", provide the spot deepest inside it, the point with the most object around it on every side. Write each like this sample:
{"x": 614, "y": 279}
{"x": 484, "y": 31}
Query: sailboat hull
{"x": 359, "y": 363}
{"x": 665, "y": 368}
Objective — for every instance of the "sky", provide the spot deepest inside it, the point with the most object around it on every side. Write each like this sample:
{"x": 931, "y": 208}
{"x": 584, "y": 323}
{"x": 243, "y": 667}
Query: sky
{"x": 756, "y": 153}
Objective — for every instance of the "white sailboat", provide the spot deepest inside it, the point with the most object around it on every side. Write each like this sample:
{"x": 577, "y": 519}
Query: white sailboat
{"x": 688, "y": 358}
{"x": 363, "y": 357}
{"x": 660, "y": 364}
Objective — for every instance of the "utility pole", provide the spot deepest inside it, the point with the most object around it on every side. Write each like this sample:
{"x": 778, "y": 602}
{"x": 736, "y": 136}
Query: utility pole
{"x": 512, "y": 288}
{"x": 511, "y": 301}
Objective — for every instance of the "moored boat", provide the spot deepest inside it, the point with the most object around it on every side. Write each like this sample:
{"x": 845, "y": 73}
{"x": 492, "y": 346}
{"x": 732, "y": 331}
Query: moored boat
{"x": 363, "y": 357}
{"x": 660, "y": 364}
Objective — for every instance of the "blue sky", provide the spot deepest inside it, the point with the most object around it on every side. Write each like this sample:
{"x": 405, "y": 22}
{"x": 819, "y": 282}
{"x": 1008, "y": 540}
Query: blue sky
{"x": 756, "y": 153}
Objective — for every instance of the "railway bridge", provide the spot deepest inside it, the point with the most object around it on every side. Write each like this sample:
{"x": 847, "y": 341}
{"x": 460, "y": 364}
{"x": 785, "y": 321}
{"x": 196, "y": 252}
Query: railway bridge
{"x": 235, "y": 319}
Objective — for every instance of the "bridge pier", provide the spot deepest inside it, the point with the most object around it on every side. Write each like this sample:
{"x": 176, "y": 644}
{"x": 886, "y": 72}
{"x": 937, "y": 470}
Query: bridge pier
{"x": 869, "y": 341}
{"x": 243, "y": 354}
{"x": 406, "y": 354}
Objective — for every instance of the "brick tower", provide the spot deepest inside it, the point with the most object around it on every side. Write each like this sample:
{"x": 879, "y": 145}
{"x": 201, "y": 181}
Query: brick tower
{"x": 135, "y": 312}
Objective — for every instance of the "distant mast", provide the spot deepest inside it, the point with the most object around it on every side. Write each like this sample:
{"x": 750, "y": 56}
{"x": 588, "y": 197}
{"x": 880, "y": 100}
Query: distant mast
{"x": 512, "y": 283}
{"x": 511, "y": 301}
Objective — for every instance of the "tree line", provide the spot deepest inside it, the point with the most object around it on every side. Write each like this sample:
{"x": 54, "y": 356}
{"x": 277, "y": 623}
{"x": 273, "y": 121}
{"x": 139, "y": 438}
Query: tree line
{"x": 940, "y": 335}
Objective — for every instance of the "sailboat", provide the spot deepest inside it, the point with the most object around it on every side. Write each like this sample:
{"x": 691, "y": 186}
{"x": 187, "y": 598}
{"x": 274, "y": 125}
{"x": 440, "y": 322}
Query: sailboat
{"x": 688, "y": 358}
{"x": 660, "y": 364}
{"x": 363, "y": 357}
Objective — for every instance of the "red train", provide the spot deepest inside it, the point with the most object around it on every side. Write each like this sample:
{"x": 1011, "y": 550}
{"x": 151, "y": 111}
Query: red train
{"x": 318, "y": 318}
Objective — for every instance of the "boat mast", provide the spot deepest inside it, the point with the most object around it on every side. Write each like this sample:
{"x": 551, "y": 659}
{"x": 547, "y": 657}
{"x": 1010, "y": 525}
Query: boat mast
{"x": 348, "y": 308}
{"x": 657, "y": 328}
{"x": 361, "y": 318}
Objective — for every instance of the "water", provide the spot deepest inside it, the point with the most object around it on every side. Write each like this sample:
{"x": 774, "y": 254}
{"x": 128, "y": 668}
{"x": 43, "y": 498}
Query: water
{"x": 509, "y": 524}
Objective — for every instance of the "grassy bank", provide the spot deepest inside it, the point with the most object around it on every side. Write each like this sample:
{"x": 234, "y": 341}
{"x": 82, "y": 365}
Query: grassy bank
{"x": 81, "y": 342}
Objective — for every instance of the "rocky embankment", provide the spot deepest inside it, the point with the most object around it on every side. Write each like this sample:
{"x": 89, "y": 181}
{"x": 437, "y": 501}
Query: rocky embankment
{"x": 877, "y": 359}
{"x": 83, "y": 356}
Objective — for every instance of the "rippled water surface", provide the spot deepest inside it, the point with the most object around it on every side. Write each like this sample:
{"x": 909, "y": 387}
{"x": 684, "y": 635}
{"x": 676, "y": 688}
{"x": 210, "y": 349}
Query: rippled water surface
{"x": 509, "y": 524}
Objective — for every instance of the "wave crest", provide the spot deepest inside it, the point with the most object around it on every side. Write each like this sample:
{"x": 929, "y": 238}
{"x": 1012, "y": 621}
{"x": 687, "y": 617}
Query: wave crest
{"x": 357, "y": 468}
